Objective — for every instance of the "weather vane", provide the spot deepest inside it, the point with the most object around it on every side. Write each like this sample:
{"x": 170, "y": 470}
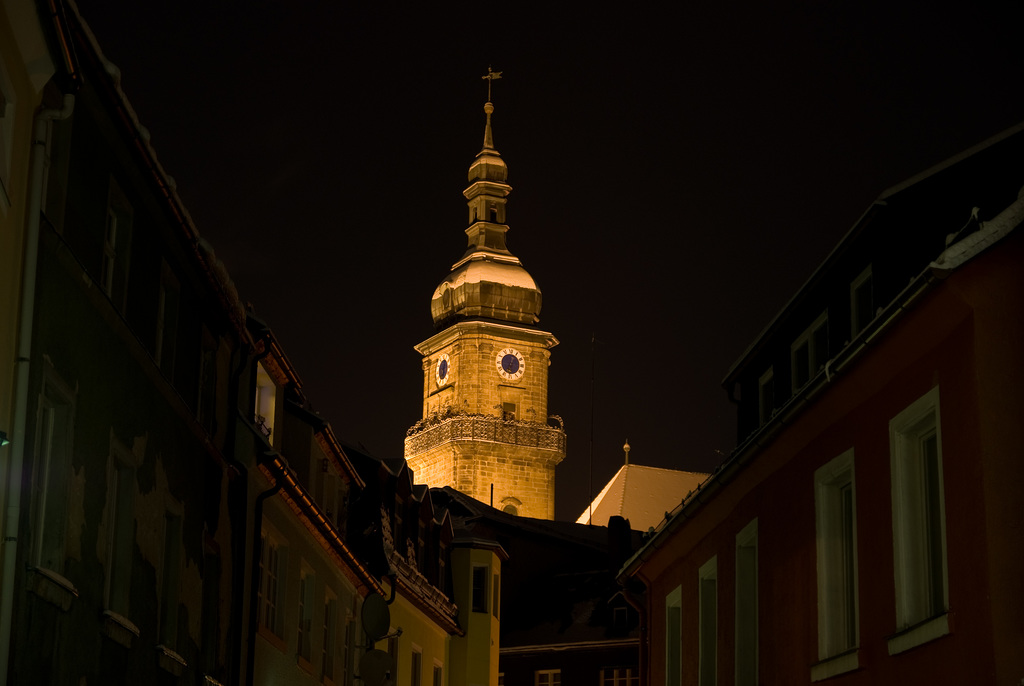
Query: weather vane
{"x": 491, "y": 76}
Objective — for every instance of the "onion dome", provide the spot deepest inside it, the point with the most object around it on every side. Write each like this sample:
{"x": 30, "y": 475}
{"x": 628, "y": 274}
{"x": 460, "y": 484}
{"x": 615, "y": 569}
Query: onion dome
{"x": 489, "y": 281}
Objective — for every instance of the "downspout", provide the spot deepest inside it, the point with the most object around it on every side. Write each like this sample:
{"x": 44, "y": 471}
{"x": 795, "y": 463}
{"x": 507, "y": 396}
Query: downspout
{"x": 257, "y": 553}
{"x": 40, "y": 133}
{"x": 640, "y": 605}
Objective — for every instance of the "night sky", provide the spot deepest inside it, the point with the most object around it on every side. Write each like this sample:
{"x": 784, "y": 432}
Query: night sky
{"x": 677, "y": 174}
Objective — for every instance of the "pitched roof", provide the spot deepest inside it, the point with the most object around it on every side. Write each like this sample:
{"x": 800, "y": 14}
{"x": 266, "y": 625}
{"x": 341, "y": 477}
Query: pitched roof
{"x": 642, "y": 495}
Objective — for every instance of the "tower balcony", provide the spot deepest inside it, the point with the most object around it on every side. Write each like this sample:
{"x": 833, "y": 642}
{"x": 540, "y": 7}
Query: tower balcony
{"x": 443, "y": 428}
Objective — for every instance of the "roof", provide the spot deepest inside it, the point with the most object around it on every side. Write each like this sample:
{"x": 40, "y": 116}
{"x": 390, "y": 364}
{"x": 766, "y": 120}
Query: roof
{"x": 642, "y": 495}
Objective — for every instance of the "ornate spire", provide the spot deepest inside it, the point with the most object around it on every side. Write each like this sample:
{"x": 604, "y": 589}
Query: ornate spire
{"x": 490, "y": 77}
{"x": 488, "y": 135}
{"x": 489, "y": 281}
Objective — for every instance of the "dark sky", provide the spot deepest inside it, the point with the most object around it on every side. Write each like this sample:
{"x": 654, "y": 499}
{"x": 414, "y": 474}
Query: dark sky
{"x": 677, "y": 174}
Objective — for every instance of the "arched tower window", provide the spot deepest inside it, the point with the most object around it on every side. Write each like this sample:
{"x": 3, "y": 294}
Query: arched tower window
{"x": 511, "y": 505}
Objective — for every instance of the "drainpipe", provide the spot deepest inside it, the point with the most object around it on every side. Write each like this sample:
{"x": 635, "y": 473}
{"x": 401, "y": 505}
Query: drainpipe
{"x": 40, "y": 133}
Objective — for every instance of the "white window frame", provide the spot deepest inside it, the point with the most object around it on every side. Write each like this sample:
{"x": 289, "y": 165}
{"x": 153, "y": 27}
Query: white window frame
{"x": 117, "y": 239}
{"x": 917, "y": 623}
{"x": 707, "y": 627}
{"x": 265, "y": 402}
{"x": 416, "y": 666}
{"x": 7, "y": 114}
{"x": 619, "y": 676}
{"x": 170, "y": 581}
{"x": 746, "y": 607}
{"x": 304, "y": 612}
{"x": 168, "y": 304}
{"x": 554, "y": 677}
{"x": 121, "y": 487}
{"x": 54, "y": 441}
{"x": 856, "y": 326}
{"x": 813, "y": 354}
{"x": 272, "y": 610}
{"x": 838, "y": 589}
{"x": 674, "y": 637}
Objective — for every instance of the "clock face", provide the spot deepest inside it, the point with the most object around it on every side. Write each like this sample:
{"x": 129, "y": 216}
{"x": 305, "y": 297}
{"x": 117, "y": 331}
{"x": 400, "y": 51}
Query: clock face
{"x": 442, "y": 368}
{"x": 511, "y": 364}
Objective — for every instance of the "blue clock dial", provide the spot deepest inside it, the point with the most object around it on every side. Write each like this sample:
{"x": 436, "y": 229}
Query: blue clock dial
{"x": 510, "y": 363}
{"x": 442, "y": 369}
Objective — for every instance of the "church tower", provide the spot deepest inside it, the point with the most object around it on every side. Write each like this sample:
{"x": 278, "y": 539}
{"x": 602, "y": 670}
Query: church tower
{"x": 485, "y": 429}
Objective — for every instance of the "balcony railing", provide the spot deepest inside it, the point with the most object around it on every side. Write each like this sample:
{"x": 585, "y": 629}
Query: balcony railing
{"x": 433, "y": 431}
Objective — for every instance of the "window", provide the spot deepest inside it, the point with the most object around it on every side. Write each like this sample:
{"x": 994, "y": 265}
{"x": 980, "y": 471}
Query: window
{"x": 495, "y": 594}
{"x": 746, "y": 605}
{"x": 620, "y": 617}
{"x": 836, "y": 524}
{"x": 347, "y": 645}
{"x": 809, "y": 352}
{"x": 393, "y": 653}
{"x": 328, "y": 649}
{"x": 708, "y": 622}
{"x": 305, "y": 627}
{"x": 170, "y": 584}
{"x": 861, "y": 302}
{"x": 438, "y": 679}
{"x": 479, "y": 589}
{"x": 415, "y": 677}
{"x": 620, "y": 676}
{"x": 919, "y": 537}
{"x": 766, "y": 396}
{"x": 271, "y": 589}
{"x": 166, "y": 321}
{"x": 116, "y": 246}
{"x": 266, "y": 401}
{"x": 674, "y": 637}
{"x": 206, "y": 398}
{"x": 508, "y": 411}
{"x": 547, "y": 677}
{"x": 6, "y": 138}
{"x": 121, "y": 542}
{"x": 54, "y": 426}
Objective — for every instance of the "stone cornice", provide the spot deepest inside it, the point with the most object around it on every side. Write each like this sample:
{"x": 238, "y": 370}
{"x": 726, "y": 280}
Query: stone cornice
{"x": 486, "y": 328}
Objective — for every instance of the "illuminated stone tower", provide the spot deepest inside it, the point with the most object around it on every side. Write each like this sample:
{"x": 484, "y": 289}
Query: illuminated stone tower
{"x": 485, "y": 429}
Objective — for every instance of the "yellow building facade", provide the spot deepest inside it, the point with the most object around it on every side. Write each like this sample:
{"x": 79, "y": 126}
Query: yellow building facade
{"x": 485, "y": 428}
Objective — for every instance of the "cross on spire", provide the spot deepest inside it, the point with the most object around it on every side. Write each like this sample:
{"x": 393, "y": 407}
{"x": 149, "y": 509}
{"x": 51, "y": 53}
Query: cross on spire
{"x": 490, "y": 77}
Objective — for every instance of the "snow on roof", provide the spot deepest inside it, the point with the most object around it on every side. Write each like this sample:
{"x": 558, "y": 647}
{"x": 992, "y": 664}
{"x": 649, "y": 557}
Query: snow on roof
{"x": 641, "y": 494}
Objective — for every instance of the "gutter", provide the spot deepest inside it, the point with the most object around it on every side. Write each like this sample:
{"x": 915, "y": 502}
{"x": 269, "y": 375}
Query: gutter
{"x": 40, "y": 134}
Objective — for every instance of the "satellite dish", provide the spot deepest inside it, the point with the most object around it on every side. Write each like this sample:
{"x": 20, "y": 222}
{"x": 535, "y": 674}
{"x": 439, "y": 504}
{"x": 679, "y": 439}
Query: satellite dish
{"x": 375, "y": 667}
{"x": 376, "y": 617}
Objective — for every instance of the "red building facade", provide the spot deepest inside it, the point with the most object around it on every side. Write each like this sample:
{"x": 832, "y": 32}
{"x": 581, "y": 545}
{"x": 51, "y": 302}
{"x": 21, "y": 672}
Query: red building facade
{"x": 867, "y": 528}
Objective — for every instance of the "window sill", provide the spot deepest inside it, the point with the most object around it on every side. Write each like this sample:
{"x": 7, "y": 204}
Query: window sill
{"x": 919, "y": 634}
{"x": 119, "y": 628}
{"x": 273, "y": 639}
{"x": 304, "y": 664}
{"x": 52, "y": 587}
{"x": 170, "y": 661}
{"x": 835, "y": 665}
{"x": 210, "y": 681}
